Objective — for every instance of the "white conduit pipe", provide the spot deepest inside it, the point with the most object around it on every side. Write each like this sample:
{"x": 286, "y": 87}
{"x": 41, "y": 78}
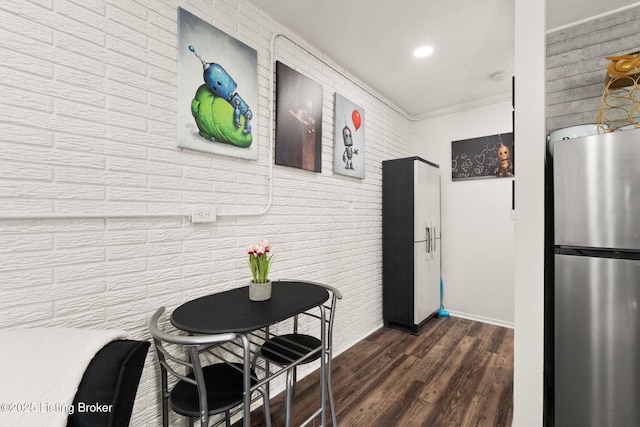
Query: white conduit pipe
{"x": 271, "y": 133}
{"x": 95, "y": 215}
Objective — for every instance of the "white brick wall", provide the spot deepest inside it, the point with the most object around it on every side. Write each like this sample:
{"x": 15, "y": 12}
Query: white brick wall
{"x": 88, "y": 124}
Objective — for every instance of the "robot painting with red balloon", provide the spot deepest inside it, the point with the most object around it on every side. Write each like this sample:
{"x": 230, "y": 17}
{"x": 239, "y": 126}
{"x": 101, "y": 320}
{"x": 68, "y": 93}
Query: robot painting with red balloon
{"x": 348, "y": 156}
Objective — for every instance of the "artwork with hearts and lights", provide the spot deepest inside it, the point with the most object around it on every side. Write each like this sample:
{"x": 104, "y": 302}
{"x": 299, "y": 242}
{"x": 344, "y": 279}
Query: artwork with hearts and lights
{"x": 484, "y": 157}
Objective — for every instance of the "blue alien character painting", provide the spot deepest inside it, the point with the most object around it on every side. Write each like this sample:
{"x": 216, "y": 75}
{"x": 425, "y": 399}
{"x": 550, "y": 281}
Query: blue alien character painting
{"x": 219, "y": 111}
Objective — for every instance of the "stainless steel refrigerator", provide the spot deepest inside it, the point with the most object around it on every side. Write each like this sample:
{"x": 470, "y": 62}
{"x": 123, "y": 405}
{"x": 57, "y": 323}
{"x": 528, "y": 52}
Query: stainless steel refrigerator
{"x": 597, "y": 280}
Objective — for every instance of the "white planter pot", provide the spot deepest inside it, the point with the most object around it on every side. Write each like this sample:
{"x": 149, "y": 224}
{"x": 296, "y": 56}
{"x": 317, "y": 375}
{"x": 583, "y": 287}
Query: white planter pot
{"x": 259, "y": 291}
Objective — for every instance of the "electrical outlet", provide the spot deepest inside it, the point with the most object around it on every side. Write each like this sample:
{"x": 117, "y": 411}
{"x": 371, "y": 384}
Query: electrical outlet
{"x": 203, "y": 214}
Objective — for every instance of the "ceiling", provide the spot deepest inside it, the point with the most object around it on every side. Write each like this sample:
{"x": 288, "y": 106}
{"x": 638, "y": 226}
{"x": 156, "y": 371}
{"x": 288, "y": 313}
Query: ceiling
{"x": 374, "y": 40}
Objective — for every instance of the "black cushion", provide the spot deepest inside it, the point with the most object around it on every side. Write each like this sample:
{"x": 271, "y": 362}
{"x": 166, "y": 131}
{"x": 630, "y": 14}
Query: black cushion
{"x": 224, "y": 390}
{"x": 110, "y": 382}
{"x": 283, "y": 349}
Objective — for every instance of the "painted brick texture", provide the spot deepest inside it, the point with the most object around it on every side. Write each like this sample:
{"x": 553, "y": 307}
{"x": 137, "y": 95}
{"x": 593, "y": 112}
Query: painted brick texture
{"x": 88, "y": 125}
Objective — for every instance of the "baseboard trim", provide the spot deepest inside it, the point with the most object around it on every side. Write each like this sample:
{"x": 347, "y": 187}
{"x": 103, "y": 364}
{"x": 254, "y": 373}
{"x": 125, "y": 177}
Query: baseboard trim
{"x": 482, "y": 319}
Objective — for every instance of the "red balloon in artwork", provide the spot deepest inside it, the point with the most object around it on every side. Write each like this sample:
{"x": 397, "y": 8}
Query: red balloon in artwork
{"x": 357, "y": 119}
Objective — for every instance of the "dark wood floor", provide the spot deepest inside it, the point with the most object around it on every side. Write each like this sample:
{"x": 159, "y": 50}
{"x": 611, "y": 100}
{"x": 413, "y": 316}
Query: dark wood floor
{"x": 455, "y": 373}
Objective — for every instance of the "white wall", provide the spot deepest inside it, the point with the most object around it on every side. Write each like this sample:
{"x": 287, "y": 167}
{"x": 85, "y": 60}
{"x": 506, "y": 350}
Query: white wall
{"x": 529, "y": 247}
{"x": 88, "y": 124}
{"x": 477, "y": 225}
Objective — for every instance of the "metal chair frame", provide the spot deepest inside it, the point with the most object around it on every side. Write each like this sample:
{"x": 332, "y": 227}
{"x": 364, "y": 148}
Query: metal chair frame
{"x": 195, "y": 345}
{"x": 306, "y": 355}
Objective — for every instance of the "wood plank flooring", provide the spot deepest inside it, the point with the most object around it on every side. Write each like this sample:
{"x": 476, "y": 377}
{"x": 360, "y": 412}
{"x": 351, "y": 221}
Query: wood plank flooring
{"x": 455, "y": 373}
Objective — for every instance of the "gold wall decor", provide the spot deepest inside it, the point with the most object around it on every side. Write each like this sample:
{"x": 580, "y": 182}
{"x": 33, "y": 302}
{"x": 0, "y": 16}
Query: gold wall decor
{"x": 620, "y": 103}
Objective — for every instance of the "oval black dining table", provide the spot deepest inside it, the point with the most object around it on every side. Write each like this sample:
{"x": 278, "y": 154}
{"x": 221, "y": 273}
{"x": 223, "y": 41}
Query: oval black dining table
{"x": 233, "y": 311}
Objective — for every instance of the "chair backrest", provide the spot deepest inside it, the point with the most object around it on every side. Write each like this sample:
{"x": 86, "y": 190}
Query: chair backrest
{"x": 111, "y": 378}
{"x": 179, "y": 355}
{"x": 329, "y": 308}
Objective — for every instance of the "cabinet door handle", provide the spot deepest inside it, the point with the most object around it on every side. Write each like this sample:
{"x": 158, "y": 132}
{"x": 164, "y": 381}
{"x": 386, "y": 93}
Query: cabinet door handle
{"x": 428, "y": 240}
{"x": 434, "y": 238}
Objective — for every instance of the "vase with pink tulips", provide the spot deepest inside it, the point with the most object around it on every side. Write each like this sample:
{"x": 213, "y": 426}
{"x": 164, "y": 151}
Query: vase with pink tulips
{"x": 260, "y": 257}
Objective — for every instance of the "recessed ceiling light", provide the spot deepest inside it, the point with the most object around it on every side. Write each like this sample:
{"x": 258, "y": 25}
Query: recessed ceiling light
{"x": 423, "y": 51}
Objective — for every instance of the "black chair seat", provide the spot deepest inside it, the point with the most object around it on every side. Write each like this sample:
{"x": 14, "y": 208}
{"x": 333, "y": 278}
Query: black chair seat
{"x": 224, "y": 390}
{"x": 283, "y": 349}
